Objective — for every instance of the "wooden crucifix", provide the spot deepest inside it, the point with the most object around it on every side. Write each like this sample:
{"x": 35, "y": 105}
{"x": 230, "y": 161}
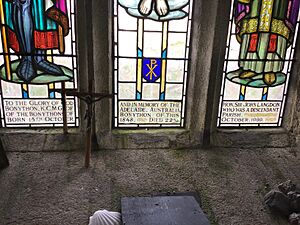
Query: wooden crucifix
{"x": 89, "y": 99}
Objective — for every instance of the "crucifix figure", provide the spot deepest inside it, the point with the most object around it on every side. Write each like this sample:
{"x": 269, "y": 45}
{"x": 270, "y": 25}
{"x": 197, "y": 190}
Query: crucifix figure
{"x": 89, "y": 98}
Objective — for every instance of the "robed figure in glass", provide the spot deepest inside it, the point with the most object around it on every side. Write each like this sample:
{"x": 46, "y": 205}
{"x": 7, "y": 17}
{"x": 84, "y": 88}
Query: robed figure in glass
{"x": 32, "y": 28}
{"x": 264, "y": 29}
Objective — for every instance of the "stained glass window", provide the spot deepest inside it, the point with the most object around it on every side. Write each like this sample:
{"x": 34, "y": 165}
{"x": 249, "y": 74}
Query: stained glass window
{"x": 151, "y": 56}
{"x": 37, "y": 59}
{"x": 259, "y": 55}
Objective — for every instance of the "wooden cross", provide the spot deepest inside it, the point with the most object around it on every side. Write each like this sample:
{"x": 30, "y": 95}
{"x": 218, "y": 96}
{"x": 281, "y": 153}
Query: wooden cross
{"x": 89, "y": 99}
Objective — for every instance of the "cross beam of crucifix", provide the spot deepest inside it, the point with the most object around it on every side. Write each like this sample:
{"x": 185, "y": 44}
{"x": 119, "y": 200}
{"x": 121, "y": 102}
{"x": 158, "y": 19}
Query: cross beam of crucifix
{"x": 89, "y": 98}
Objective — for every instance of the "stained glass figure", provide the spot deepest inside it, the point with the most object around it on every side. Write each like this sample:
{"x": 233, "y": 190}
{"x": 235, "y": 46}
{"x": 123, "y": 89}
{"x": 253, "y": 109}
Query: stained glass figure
{"x": 38, "y": 55}
{"x": 151, "y": 53}
{"x": 259, "y": 54}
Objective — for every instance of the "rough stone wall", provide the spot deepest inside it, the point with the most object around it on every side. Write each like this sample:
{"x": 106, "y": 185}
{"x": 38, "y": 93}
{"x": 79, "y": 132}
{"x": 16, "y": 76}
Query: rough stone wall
{"x": 294, "y": 99}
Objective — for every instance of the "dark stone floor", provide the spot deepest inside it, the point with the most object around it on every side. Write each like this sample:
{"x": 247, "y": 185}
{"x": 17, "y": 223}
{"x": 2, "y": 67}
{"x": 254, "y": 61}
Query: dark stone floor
{"x": 53, "y": 188}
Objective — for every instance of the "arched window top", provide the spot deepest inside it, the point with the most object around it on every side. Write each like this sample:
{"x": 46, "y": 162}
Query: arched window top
{"x": 37, "y": 58}
{"x": 151, "y": 56}
{"x": 259, "y": 56}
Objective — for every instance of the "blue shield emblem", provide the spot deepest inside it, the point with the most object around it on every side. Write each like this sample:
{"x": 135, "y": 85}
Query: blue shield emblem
{"x": 151, "y": 69}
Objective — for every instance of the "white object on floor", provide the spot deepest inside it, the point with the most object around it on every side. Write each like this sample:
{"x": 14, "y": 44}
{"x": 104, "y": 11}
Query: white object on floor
{"x": 104, "y": 217}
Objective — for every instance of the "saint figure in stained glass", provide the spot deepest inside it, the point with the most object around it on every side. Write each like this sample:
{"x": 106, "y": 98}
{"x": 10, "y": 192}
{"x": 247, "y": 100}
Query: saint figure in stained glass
{"x": 264, "y": 29}
{"x": 37, "y": 59}
{"x": 260, "y": 50}
{"x": 32, "y": 28}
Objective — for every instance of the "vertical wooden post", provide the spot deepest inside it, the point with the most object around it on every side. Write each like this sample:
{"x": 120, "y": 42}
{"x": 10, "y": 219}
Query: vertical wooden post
{"x": 89, "y": 121}
{"x": 90, "y": 84}
{"x": 88, "y": 143}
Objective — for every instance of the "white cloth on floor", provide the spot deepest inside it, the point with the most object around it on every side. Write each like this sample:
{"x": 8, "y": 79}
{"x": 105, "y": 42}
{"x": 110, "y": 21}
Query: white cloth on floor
{"x": 104, "y": 217}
